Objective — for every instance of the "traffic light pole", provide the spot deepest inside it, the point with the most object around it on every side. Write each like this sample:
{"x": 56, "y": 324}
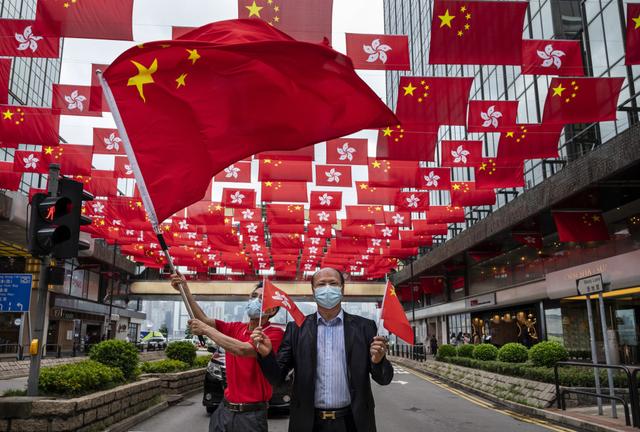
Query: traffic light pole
{"x": 41, "y": 308}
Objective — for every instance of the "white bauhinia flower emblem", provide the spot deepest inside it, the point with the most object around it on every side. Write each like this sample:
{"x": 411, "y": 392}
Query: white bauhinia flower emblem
{"x": 530, "y": 240}
{"x": 386, "y": 232}
{"x": 98, "y": 207}
{"x": 314, "y": 240}
{"x": 353, "y": 268}
{"x": 323, "y": 216}
{"x": 27, "y": 40}
{"x": 491, "y": 117}
{"x": 412, "y": 201}
{"x": 127, "y": 169}
{"x": 247, "y": 214}
{"x": 217, "y": 263}
{"x": 191, "y": 235}
{"x": 376, "y": 242}
{"x": 112, "y": 142}
{"x": 346, "y": 152}
{"x": 431, "y": 179}
{"x": 262, "y": 265}
{"x": 197, "y": 243}
{"x": 255, "y": 247}
{"x": 231, "y": 171}
{"x": 129, "y": 233}
{"x": 252, "y": 228}
{"x": 333, "y": 176}
{"x": 116, "y": 222}
{"x": 75, "y": 101}
{"x": 31, "y": 161}
{"x": 551, "y": 57}
{"x": 319, "y": 230}
{"x": 365, "y": 257}
{"x": 370, "y": 250}
{"x": 325, "y": 199}
{"x": 207, "y": 250}
{"x": 236, "y": 198}
{"x": 211, "y": 256}
{"x": 253, "y": 239}
{"x": 460, "y": 154}
{"x": 278, "y": 296}
{"x": 153, "y": 245}
{"x": 313, "y": 250}
{"x": 398, "y": 219}
{"x": 307, "y": 266}
{"x": 183, "y": 225}
{"x": 376, "y": 51}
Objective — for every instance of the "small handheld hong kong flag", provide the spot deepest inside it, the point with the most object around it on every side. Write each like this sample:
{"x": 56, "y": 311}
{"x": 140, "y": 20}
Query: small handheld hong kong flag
{"x": 272, "y": 296}
{"x": 395, "y": 319}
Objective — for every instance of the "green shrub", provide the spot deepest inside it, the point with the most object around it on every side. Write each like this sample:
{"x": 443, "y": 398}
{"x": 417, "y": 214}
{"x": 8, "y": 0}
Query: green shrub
{"x": 201, "y": 361}
{"x": 163, "y": 366}
{"x": 513, "y": 353}
{"x": 14, "y": 392}
{"x": 446, "y": 350}
{"x": 181, "y": 350}
{"x": 465, "y": 350}
{"x": 117, "y": 353}
{"x": 547, "y": 353}
{"x": 485, "y": 352}
{"x": 74, "y": 379}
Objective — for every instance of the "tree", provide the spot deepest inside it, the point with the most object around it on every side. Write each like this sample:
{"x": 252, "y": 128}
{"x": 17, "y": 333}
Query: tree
{"x": 164, "y": 330}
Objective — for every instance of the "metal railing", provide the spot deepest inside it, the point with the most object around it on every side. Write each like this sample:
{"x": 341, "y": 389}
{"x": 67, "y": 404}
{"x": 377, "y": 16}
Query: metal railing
{"x": 630, "y": 415}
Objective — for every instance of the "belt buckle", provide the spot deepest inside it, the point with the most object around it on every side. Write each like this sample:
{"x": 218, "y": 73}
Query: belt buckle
{"x": 328, "y": 415}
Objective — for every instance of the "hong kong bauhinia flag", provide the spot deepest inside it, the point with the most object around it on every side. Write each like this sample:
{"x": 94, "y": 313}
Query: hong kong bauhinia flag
{"x": 552, "y": 57}
{"x": 90, "y": 19}
{"x": 73, "y": 100}
{"x": 461, "y": 153}
{"x": 239, "y": 172}
{"x": 347, "y": 151}
{"x": 303, "y": 20}
{"x": 385, "y": 52}
{"x": 491, "y": 116}
{"x": 477, "y": 32}
{"x": 581, "y": 100}
{"x": 633, "y": 34}
{"x": 394, "y": 316}
{"x": 235, "y": 88}
{"x": 272, "y": 296}
{"x": 18, "y": 38}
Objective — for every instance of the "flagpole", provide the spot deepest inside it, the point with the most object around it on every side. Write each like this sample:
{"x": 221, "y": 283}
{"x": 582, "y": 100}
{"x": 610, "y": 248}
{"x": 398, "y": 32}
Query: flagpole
{"x": 384, "y": 297}
{"x": 142, "y": 187}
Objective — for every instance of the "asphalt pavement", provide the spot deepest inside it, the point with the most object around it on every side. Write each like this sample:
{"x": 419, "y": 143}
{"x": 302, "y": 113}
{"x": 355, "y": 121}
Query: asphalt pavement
{"x": 412, "y": 402}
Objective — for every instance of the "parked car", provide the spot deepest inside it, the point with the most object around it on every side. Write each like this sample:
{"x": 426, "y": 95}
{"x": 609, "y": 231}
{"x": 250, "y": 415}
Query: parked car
{"x": 215, "y": 381}
{"x": 154, "y": 343}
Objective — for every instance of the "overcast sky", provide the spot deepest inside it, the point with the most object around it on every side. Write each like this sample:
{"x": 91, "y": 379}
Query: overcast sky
{"x": 152, "y": 20}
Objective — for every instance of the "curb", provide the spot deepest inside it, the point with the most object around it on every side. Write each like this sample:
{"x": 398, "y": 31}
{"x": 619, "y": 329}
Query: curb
{"x": 128, "y": 423}
{"x": 561, "y": 419}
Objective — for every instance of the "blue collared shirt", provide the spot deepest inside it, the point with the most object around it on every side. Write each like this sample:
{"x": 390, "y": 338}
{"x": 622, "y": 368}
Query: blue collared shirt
{"x": 332, "y": 381}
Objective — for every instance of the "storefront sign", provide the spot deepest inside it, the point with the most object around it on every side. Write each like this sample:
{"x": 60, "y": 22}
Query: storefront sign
{"x": 590, "y": 285}
{"x": 480, "y": 301}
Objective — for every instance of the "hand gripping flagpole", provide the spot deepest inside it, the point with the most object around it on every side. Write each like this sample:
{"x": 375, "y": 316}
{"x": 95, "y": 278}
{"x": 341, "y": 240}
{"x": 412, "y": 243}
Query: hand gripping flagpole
{"x": 142, "y": 187}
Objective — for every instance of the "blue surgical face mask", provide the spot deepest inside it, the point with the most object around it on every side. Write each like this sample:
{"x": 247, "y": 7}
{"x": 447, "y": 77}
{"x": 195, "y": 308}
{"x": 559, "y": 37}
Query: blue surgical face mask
{"x": 253, "y": 308}
{"x": 328, "y": 296}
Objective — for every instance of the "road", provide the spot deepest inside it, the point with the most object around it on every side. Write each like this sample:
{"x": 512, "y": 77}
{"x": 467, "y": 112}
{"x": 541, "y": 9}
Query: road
{"x": 412, "y": 402}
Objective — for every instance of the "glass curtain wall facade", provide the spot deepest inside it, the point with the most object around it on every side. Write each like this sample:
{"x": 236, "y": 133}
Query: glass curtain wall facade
{"x": 603, "y": 53}
{"x": 30, "y": 83}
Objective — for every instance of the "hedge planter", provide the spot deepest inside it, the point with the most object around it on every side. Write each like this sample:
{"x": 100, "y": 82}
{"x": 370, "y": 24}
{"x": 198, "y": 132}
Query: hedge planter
{"x": 180, "y": 382}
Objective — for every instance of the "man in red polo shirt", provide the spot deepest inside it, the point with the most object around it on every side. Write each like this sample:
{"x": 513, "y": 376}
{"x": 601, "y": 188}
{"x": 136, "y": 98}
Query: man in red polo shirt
{"x": 248, "y": 392}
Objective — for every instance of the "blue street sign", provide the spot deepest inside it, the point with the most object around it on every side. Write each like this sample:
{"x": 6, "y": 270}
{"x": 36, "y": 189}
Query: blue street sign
{"x": 15, "y": 292}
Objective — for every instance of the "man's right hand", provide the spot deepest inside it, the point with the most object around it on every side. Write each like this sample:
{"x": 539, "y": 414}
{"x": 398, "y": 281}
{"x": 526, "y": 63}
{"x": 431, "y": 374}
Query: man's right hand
{"x": 261, "y": 342}
{"x": 176, "y": 280}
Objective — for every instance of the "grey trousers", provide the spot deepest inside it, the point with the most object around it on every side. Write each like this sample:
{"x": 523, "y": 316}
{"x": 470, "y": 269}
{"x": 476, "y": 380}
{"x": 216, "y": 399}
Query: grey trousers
{"x": 224, "y": 420}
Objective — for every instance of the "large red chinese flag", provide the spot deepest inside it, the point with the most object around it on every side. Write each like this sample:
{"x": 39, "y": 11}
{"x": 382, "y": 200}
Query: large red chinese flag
{"x": 29, "y": 125}
{"x": 384, "y": 52}
{"x": 580, "y": 226}
{"x": 239, "y": 172}
{"x": 303, "y": 20}
{"x": 433, "y": 101}
{"x": 21, "y": 38}
{"x": 73, "y": 100}
{"x": 347, "y": 151}
{"x": 528, "y": 141}
{"x": 490, "y": 175}
{"x": 5, "y": 74}
{"x": 89, "y": 19}
{"x": 633, "y": 34}
{"x": 457, "y": 154}
{"x": 397, "y": 143}
{"x": 236, "y": 88}
{"x": 477, "y": 32}
{"x": 272, "y": 297}
{"x": 581, "y": 100}
{"x": 491, "y": 116}
{"x": 552, "y": 57}
{"x": 394, "y": 316}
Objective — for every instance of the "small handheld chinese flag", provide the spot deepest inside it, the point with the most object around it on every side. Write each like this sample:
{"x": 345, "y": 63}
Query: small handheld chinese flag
{"x": 395, "y": 319}
{"x": 272, "y": 297}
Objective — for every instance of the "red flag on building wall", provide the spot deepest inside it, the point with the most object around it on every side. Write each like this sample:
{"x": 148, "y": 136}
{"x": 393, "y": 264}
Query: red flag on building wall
{"x": 25, "y": 161}
{"x": 552, "y": 57}
{"x": 435, "y": 178}
{"x": 333, "y": 175}
{"x": 394, "y": 316}
{"x": 391, "y": 173}
{"x": 528, "y": 141}
{"x": 580, "y": 226}
{"x": 633, "y": 34}
{"x": 490, "y": 175}
{"x": 107, "y": 141}
{"x": 328, "y": 200}
{"x": 532, "y": 239}
{"x": 305, "y": 86}
{"x": 412, "y": 201}
{"x": 73, "y": 159}
{"x": 477, "y": 32}
{"x": 238, "y": 198}
{"x": 73, "y": 100}
{"x": 272, "y": 296}
{"x": 461, "y": 153}
{"x": 491, "y": 116}
{"x": 384, "y": 52}
{"x": 368, "y": 194}
{"x": 21, "y": 38}
{"x": 347, "y": 151}
{"x": 397, "y": 143}
{"x": 581, "y": 100}
{"x": 29, "y": 125}
{"x": 465, "y": 194}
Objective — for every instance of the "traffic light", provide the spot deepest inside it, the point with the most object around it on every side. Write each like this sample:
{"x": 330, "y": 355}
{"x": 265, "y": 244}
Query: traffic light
{"x": 54, "y": 227}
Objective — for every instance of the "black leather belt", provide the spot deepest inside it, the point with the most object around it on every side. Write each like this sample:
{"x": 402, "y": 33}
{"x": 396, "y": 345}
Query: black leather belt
{"x": 324, "y": 414}
{"x": 245, "y": 407}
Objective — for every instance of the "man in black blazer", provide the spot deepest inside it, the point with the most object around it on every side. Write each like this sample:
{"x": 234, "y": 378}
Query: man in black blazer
{"x": 332, "y": 353}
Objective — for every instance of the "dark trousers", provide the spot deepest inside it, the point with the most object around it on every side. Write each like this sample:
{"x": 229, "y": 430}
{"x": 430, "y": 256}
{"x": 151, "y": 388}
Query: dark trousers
{"x": 343, "y": 424}
{"x": 224, "y": 420}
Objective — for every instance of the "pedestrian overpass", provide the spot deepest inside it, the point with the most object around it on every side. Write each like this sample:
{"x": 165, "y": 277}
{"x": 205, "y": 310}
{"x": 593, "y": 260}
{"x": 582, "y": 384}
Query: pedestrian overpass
{"x": 239, "y": 290}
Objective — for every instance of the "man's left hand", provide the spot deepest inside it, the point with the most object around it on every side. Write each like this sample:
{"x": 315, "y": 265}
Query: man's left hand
{"x": 378, "y": 349}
